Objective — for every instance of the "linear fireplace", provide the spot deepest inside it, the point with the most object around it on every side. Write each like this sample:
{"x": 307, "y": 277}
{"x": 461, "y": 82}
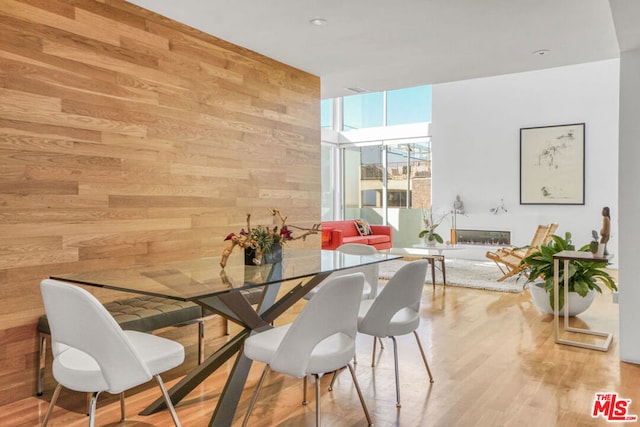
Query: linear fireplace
{"x": 483, "y": 237}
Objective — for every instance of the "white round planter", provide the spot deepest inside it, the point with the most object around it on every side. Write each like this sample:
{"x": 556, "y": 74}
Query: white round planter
{"x": 577, "y": 304}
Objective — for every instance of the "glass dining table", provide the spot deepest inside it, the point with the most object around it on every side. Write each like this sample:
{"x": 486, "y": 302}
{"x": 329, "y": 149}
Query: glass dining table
{"x": 224, "y": 291}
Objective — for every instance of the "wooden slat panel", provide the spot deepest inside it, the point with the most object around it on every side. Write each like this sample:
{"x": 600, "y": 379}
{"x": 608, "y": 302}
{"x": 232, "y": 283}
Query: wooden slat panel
{"x": 128, "y": 138}
{"x": 29, "y": 128}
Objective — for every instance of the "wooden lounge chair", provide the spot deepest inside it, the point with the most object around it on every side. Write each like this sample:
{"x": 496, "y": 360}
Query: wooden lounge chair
{"x": 508, "y": 259}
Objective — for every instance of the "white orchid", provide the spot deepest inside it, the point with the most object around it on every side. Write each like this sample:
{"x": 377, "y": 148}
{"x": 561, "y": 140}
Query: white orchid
{"x": 430, "y": 225}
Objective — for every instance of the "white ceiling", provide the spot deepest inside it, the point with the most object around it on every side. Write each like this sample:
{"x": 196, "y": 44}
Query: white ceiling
{"x": 382, "y": 44}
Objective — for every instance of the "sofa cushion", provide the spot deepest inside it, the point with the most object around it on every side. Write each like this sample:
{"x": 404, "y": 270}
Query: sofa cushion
{"x": 362, "y": 226}
{"x": 348, "y": 228}
{"x": 378, "y": 238}
{"x": 356, "y": 239}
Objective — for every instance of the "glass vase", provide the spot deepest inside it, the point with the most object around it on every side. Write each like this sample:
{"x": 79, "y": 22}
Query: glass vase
{"x": 271, "y": 256}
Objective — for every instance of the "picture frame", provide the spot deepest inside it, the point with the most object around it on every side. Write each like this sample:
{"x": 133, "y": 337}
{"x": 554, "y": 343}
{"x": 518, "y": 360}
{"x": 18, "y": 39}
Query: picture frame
{"x": 552, "y": 160}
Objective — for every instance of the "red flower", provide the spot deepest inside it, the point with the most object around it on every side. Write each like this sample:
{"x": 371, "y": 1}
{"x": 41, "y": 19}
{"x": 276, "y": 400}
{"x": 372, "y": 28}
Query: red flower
{"x": 286, "y": 234}
{"x": 230, "y": 236}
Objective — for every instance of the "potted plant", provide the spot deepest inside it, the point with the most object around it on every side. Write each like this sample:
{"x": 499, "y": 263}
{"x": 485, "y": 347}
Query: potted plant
{"x": 584, "y": 277}
{"x": 428, "y": 233}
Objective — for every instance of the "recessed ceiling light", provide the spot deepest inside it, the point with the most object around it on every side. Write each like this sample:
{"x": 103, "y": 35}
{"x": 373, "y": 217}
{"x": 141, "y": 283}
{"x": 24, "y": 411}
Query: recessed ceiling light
{"x": 318, "y": 22}
{"x": 356, "y": 89}
{"x": 541, "y": 52}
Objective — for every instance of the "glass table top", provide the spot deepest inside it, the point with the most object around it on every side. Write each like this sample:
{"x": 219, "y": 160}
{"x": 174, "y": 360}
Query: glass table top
{"x": 194, "y": 279}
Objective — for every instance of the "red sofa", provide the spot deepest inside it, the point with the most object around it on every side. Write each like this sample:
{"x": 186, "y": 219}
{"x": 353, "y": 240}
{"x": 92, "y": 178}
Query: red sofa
{"x": 336, "y": 233}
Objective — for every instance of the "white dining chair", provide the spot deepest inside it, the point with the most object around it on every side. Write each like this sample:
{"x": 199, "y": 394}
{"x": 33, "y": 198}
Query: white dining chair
{"x": 370, "y": 271}
{"x": 321, "y": 339}
{"x": 370, "y": 289}
{"x": 91, "y": 353}
{"x": 396, "y": 311}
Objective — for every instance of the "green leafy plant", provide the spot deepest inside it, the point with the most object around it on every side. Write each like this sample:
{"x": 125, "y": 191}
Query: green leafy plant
{"x": 583, "y": 275}
{"x": 267, "y": 237}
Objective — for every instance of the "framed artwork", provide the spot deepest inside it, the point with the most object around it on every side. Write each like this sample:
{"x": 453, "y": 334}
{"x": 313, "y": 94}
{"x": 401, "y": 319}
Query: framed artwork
{"x": 552, "y": 165}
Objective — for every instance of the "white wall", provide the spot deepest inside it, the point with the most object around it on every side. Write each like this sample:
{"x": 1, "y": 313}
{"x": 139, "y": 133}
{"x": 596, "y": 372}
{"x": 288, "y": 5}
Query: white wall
{"x": 476, "y": 146}
{"x": 629, "y": 205}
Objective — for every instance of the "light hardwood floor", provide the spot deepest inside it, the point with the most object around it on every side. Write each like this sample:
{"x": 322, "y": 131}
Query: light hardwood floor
{"x": 492, "y": 356}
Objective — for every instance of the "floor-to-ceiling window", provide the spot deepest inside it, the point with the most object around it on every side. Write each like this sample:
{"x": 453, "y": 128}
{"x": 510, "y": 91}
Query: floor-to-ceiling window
{"x": 382, "y": 157}
{"x": 328, "y": 181}
{"x": 388, "y": 182}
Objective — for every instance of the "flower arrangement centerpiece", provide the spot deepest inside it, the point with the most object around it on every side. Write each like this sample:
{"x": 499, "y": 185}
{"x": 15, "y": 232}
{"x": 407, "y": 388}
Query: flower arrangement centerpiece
{"x": 429, "y": 233}
{"x": 264, "y": 240}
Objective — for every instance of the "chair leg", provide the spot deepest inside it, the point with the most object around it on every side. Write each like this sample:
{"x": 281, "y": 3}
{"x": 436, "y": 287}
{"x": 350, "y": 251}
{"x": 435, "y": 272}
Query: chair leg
{"x": 395, "y": 360}
{"x": 122, "y": 409}
{"x": 54, "y": 398}
{"x": 424, "y": 358}
{"x": 373, "y": 353}
{"x": 92, "y": 409}
{"x": 364, "y": 405}
{"x": 432, "y": 261}
{"x": 255, "y": 395}
{"x": 200, "y": 341}
{"x": 317, "y": 400}
{"x": 355, "y": 358}
{"x": 89, "y": 396}
{"x": 42, "y": 361}
{"x": 168, "y": 401}
{"x": 333, "y": 379}
{"x": 305, "y": 401}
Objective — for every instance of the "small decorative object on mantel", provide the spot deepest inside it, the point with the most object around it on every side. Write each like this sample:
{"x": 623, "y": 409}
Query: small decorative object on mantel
{"x": 458, "y": 209}
{"x": 263, "y": 244}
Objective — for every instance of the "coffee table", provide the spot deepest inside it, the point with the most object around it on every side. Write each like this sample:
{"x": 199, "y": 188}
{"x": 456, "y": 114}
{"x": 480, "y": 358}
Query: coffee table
{"x": 433, "y": 254}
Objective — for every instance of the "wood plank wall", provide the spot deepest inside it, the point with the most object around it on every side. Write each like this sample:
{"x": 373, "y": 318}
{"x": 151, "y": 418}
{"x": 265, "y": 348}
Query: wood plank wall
{"x": 128, "y": 138}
